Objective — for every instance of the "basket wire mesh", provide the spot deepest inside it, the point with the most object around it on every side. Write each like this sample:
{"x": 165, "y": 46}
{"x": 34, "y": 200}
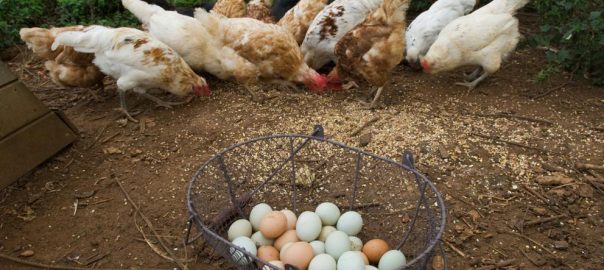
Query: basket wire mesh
{"x": 297, "y": 172}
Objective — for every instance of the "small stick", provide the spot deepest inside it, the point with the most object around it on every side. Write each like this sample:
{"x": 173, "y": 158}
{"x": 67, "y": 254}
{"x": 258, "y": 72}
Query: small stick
{"x": 498, "y": 265}
{"x": 586, "y": 166}
{"x": 98, "y": 136}
{"x": 531, "y": 259}
{"x": 69, "y": 163}
{"x": 539, "y": 196}
{"x": 111, "y": 137}
{"x": 497, "y": 139}
{"x": 532, "y": 241}
{"x": 542, "y": 220}
{"x": 363, "y": 126}
{"x": 149, "y": 224}
{"x": 459, "y": 252}
{"x": 513, "y": 116}
{"x": 150, "y": 244}
{"x": 535, "y": 97}
{"x": 47, "y": 266}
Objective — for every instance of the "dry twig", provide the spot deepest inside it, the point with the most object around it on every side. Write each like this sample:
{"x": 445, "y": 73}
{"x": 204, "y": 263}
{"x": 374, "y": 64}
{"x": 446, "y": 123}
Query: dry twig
{"x": 542, "y": 220}
{"x": 454, "y": 248}
{"x": 497, "y": 139}
{"x": 363, "y": 126}
{"x": 500, "y": 264}
{"x": 513, "y": 116}
{"x": 47, "y": 266}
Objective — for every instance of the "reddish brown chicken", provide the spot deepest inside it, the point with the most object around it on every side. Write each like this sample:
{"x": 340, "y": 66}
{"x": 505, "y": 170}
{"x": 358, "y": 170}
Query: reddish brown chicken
{"x": 260, "y": 10}
{"x": 373, "y": 48}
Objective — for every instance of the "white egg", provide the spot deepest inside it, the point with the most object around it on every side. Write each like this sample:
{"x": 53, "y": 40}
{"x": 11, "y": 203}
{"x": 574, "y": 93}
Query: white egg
{"x": 258, "y": 213}
{"x": 308, "y": 226}
{"x": 350, "y": 223}
{"x": 370, "y": 267}
{"x": 325, "y": 231}
{"x": 283, "y": 249}
{"x": 337, "y": 243}
{"x": 356, "y": 244}
{"x": 328, "y": 212}
{"x": 322, "y": 262}
{"x": 239, "y": 228}
{"x": 318, "y": 247}
{"x": 247, "y": 244}
{"x": 260, "y": 240}
{"x": 351, "y": 260}
{"x": 393, "y": 259}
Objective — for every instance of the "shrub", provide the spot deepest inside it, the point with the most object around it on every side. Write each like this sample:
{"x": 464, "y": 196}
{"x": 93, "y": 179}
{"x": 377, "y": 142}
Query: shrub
{"x": 574, "y": 29}
{"x": 104, "y": 12}
{"x": 17, "y": 14}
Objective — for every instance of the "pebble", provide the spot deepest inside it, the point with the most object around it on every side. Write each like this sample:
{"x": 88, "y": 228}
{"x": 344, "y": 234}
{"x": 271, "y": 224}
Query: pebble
{"x": 27, "y": 253}
{"x": 365, "y": 139}
{"x": 561, "y": 245}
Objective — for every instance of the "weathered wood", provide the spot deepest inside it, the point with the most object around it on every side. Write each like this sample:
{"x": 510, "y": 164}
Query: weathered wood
{"x": 5, "y": 75}
{"x": 18, "y": 107}
{"x": 31, "y": 145}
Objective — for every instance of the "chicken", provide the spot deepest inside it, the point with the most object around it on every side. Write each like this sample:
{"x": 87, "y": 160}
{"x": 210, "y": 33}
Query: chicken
{"x": 260, "y": 10}
{"x": 330, "y": 25}
{"x": 482, "y": 38}
{"x": 374, "y": 47}
{"x": 230, "y": 8}
{"x": 298, "y": 19}
{"x": 423, "y": 31}
{"x": 271, "y": 49}
{"x": 66, "y": 67}
{"x": 202, "y": 51}
{"x": 137, "y": 61}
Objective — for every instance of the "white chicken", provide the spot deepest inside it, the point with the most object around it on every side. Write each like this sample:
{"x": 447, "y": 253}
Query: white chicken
{"x": 137, "y": 61}
{"x": 483, "y": 38}
{"x": 424, "y": 29}
{"x": 330, "y": 25}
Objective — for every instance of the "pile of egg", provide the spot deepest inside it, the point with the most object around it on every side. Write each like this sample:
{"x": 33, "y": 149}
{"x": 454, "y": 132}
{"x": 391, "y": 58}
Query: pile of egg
{"x": 321, "y": 240}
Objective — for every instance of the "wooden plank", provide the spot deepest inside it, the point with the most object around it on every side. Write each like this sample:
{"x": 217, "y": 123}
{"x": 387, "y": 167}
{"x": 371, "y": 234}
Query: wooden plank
{"x": 6, "y": 76}
{"x": 18, "y": 107}
{"x": 31, "y": 145}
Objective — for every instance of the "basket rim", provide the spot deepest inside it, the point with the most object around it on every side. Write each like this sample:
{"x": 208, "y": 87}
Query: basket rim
{"x": 193, "y": 214}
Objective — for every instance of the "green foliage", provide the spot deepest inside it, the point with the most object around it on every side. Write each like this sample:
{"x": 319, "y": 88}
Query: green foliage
{"x": 104, "y": 12}
{"x": 16, "y": 14}
{"x": 575, "y": 28}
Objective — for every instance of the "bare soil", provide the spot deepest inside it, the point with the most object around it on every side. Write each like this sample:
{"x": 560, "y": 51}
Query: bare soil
{"x": 485, "y": 150}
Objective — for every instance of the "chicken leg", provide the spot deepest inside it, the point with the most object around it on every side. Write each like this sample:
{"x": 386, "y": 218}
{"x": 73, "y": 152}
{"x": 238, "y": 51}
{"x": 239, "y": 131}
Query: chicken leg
{"x": 471, "y": 85}
{"x": 162, "y": 103}
{"x": 372, "y": 104}
{"x": 254, "y": 95}
{"x": 472, "y": 76}
{"x": 123, "y": 107}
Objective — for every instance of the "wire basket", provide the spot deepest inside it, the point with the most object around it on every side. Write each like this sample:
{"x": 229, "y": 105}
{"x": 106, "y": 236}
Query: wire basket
{"x": 298, "y": 172}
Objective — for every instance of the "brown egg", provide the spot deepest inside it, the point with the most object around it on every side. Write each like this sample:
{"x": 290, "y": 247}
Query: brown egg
{"x": 374, "y": 249}
{"x": 288, "y": 237}
{"x": 273, "y": 224}
{"x": 298, "y": 254}
{"x": 268, "y": 253}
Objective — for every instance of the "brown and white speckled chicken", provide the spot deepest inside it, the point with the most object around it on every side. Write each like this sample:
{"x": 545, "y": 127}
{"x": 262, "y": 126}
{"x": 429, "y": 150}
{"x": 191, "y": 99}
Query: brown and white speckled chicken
{"x": 230, "y": 8}
{"x": 298, "y": 19}
{"x": 260, "y": 10}
{"x": 66, "y": 67}
{"x": 136, "y": 60}
{"x": 373, "y": 48}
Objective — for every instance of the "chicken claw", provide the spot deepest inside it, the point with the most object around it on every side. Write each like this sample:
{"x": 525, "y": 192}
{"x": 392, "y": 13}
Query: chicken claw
{"x": 471, "y": 85}
{"x": 374, "y": 104}
{"x": 474, "y": 75}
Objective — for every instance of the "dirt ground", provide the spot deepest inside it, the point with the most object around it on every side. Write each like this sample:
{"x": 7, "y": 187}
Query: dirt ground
{"x": 488, "y": 151}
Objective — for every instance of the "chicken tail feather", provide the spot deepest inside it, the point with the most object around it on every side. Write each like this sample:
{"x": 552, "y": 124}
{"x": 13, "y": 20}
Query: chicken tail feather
{"x": 141, "y": 10}
{"x": 80, "y": 41}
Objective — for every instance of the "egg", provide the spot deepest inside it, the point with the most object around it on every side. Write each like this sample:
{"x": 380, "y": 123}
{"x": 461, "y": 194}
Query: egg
{"x": 283, "y": 249}
{"x": 322, "y": 262}
{"x": 273, "y": 224}
{"x": 308, "y": 226}
{"x": 351, "y": 260}
{"x": 391, "y": 260}
{"x": 287, "y": 237}
{"x": 318, "y": 247}
{"x": 258, "y": 213}
{"x": 246, "y": 244}
{"x": 298, "y": 254}
{"x": 374, "y": 249}
{"x": 328, "y": 212}
{"x": 370, "y": 267}
{"x": 364, "y": 257}
{"x": 325, "y": 231}
{"x": 260, "y": 240}
{"x": 350, "y": 223}
{"x": 337, "y": 243}
{"x": 268, "y": 253}
{"x": 276, "y": 264}
{"x": 291, "y": 219}
{"x": 240, "y": 227}
{"x": 356, "y": 243}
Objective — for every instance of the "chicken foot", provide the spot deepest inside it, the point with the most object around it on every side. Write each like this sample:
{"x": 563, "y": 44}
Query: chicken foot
{"x": 373, "y": 103}
{"x": 162, "y": 103}
{"x": 287, "y": 84}
{"x": 472, "y": 76}
{"x": 471, "y": 85}
{"x": 257, "y": 97}
{"x": 123, "y": 107}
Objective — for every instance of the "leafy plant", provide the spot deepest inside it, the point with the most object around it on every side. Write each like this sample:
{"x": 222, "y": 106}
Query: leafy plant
{"x": 104, "y": 12}
{"x": 15, "y": 15}
{"x": 574, "y": 29}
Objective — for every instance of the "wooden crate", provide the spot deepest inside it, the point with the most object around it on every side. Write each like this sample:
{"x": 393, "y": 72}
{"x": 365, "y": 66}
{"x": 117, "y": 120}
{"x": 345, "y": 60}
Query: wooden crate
{"x": 30, "y": 133}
